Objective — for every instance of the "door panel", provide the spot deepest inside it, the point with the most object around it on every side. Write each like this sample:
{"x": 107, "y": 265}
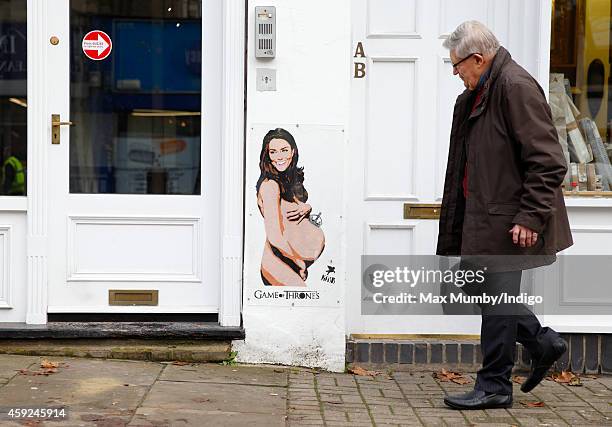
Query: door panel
{"x": 400, "y": 128}
{"x": 135, "y": 180}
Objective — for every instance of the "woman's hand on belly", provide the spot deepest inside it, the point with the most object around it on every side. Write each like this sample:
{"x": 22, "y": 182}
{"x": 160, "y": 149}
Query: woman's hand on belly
{"x": 299, "y": 212}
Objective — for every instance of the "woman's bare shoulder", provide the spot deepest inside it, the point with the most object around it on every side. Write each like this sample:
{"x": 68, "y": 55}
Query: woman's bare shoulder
{"x": 269, "y": 188}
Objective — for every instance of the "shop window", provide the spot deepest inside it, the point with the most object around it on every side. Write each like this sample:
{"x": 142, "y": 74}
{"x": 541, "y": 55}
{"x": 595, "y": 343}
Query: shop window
{"x": 580, "y": 93}
{"x": 13, "y": 98}
{"x": 137, "y": 111}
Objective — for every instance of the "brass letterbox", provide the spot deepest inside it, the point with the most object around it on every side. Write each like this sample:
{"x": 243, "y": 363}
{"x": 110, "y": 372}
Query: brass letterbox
{"x": 421, "y": 211}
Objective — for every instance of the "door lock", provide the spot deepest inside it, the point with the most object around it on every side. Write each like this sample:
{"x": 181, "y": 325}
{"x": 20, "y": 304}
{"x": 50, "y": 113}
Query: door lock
{"x": 55, "y": 128}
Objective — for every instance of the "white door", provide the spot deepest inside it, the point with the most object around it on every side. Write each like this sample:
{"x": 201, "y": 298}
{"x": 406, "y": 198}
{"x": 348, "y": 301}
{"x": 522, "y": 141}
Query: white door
{"x": 134, "y": 183}
{"x": 400, "y": 126}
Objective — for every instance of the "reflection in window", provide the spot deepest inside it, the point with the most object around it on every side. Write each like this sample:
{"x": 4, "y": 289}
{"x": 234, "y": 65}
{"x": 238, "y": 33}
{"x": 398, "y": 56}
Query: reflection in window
{"x": 137, "y": 113}
{"x": 13, "y": 98}
{"x": 580, "y": 93}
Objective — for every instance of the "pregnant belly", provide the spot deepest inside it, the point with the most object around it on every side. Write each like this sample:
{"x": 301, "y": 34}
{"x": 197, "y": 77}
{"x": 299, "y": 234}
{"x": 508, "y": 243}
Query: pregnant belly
{"x": 305, "y": 238}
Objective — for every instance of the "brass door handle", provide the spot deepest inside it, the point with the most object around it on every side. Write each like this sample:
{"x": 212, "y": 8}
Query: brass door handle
{"x": 55, "y": 128}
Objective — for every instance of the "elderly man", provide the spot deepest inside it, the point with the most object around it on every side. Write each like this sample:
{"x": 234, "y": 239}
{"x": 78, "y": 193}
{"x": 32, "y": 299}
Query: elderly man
{"x": 502, "y": 197}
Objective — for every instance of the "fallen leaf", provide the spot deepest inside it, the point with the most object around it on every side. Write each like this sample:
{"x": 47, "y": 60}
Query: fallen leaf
{"x": 48, "y": 365}
{"x": 518, "y": 379}
{"x": 565, "y": 377}
{"x": 461, "y": 380}
{"x": 357, "y": 370}
{"x": 180, "y": 363}
{"x": 45, "y": 372}
{"x": 574, "y": 382}
{"x": 593, "y": 377}
{"x": 452, "y": 376}
{"x": 533, "y": 404}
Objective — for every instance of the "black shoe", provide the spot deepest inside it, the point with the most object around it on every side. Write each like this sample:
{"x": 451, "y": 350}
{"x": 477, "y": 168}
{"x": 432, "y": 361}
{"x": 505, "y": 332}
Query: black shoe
{"x": 478, "y": 399}
{"x": 540, "y": 367}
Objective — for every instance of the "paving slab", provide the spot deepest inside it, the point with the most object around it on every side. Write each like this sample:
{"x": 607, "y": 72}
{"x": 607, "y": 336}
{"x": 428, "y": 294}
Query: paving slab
{"x": 152, "y": 417}
{"x": 209, "y": 373}
{"x": 96, "y": 392}
{"x": 217, "y": 397}
{"x": 212, "y": 404}
{"x": 10, "y": 364}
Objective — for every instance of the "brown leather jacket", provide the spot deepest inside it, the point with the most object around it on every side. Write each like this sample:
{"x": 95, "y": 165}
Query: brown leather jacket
{"x": 515, "y": 170}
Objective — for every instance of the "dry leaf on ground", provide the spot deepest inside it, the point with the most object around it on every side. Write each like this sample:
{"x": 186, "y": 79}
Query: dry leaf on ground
{"x": 518, "y": 379}
{"x": 533, "y": 404}
{"x": 455, "y": 377}
{"x": 357, "y": 370}
{"x": 48, "y": 364}
{"x": 566, "y": 377}
{"x": 45, "y": 372}
{"x": 180, "y": 363}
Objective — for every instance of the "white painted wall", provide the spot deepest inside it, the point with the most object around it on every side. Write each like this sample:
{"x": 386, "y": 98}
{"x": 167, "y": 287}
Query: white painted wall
{"x": 313, "y": 66}
{"x": 12, "y": 260}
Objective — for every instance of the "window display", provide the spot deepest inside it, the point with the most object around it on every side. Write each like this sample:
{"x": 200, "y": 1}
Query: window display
{"x": 579, "y": 93}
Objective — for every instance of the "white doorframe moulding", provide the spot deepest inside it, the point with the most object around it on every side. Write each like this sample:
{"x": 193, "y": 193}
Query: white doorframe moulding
{"x": 38, "y": 140}
{"x": 232, "y": 167}
{"x": 232, "y": 141}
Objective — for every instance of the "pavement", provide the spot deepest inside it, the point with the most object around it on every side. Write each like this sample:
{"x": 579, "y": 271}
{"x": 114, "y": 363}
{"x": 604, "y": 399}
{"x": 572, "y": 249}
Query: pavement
{"x": 111, "y": 393}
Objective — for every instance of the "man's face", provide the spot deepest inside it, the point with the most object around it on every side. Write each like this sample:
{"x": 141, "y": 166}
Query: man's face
{"x": 470, "y": 69}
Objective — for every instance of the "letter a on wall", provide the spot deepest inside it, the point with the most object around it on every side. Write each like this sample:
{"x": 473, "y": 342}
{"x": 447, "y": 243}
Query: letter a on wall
{"x": 359, "y": 51}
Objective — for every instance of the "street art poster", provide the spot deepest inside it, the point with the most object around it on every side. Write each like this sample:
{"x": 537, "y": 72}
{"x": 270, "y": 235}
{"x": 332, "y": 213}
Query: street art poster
{"x": 294, "y": 199}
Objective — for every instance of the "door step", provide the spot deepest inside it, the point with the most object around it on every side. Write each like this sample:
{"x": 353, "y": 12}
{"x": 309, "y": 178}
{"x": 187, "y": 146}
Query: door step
{"x": 136, "y": 330}
{"x": 156, "y": 341}
{"x": 130, "y": 349}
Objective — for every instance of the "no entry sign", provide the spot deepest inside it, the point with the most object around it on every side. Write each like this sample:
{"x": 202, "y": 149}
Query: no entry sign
{"x": 97, "y": 45}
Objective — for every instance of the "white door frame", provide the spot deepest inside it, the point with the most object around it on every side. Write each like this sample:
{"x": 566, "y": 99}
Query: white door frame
{"x": 232, "y": 140}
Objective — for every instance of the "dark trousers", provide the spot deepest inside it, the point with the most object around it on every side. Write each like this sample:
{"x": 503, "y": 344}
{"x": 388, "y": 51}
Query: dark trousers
{"x": 502, "y": 326}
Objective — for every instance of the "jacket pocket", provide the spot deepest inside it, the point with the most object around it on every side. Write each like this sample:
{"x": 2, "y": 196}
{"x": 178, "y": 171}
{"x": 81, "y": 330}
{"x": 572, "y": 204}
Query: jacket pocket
{"x": 503, "y": 208}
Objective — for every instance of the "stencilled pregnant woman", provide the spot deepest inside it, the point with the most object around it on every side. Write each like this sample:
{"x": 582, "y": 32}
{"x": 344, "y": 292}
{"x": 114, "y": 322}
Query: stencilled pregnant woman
{"x": 293, "y": 241}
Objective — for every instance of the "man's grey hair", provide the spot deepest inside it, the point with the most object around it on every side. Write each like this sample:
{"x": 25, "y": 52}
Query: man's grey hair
{"x": 472, "y": 37}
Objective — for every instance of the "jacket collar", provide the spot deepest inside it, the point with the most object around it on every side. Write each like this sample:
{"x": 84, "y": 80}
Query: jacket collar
{"x": 501, "y": 58}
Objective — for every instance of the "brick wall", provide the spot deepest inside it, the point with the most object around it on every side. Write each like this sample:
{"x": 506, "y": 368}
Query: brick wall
{"x": 587, "y": 353}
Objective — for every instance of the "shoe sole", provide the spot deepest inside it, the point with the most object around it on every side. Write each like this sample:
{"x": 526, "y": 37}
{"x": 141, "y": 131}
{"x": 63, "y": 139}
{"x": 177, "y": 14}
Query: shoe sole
{"x": 464, "y": 408}
{"x": 556, "y": 357}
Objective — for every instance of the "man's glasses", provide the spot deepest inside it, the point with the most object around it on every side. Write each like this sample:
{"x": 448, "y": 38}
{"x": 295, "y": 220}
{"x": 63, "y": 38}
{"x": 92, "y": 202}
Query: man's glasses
{"x": 464, "y": 59}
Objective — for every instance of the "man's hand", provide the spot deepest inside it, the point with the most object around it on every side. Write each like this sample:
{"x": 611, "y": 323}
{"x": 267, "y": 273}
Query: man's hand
{"x": 524, "y": 236}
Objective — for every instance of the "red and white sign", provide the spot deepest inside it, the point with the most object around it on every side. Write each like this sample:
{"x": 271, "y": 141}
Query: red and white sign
{"x": 97, "y": 45}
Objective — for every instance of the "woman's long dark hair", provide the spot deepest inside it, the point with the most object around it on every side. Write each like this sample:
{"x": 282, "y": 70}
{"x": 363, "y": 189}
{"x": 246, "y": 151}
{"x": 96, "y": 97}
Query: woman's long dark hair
{"x": 291, "y": 181}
